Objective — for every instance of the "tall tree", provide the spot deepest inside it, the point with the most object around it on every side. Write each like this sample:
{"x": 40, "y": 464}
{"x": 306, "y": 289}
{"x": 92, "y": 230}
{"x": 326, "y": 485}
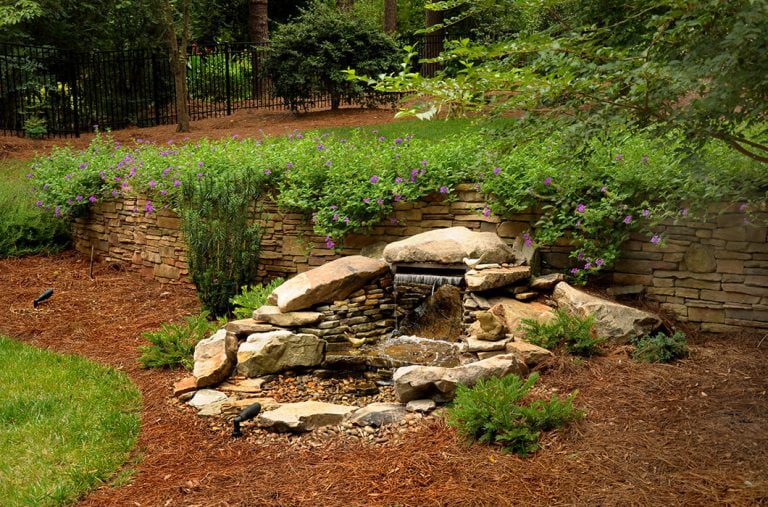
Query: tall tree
{"x": 258, "y": 21}
{"x": 178, "y": 57}
{"x": 390, "y": 16}
{"x": 433, "y": 39}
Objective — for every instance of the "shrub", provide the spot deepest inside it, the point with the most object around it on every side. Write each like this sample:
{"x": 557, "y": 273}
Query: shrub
{"x": 577, "y": 333}
{"x": 252, "y": 297}
{"x": 660, "y": 348}
{"x": 174, "y": 344}
{"x": 35, "y": 128}
{"x": 494, "y": 412}
{"x": 307, "y": 57}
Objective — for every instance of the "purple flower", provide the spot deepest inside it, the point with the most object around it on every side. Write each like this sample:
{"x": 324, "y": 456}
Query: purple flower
{"x": 684, "y": 212}
{"x": 414, "y": 173}
{"x": 580, "y": 256}
{"x": 496, "y": 170}
{"x": 443, "y": 189}
{"x": 424, "y": 163}
{"x": 656, "y": 239}
{"x": 57, "y": 211}
{"x": 30, "y": 175}
{"x": 575, "y": 270}
{"x": 393, "y": 221}
{"x": 743, "y": 207}
{"x": 581, "y": 208}
{"x": 92, "y": 199}
{"x": 366, "y": 200}
{"x": 527, "y": 239}
{"x": 374, "y": 179}
{"x": 628, "y": 219}
{"x": 45, "y": 187}
{"x": 199, "y": 175}
{"x": 39, "y": 204}
{"x": 333, "y": 206}
{"x": 289, "y": 165}
{"x": 644, "y": 160}
{"x": 399, "y": 140}
{"x": 267, "y": 171}
{"x": 68, "y": 176}
{"x": 398, "y": 180}
{"x": 335, "y": 217}
{"x": 486, "y": 211}
{"x": 329, "y": 242}
{"x": 200, "y": 164}
{"x": 397, "y": 197}
{"x": 382, "y": 138}
{"x": 587, "y": 265}
{"x": 645, "y": 212}
{"x": 320, "y": 147}
{"x": 548, "y": 181}
{"x": 235, "y": 136}
{"x": 604, "y": 189}
{"x": 299, "y": 135}
{"x": 619, "y": 157}
{"x": 578, "y": 223}
{"x": 148, "y": 207}
{"x": 328, "y": 163}
{"x": 599, "y": 262}
{"x": 114, "y": 193}
{"x": 83, "y": 165}
{"x": 163, "y": 192}
{"x": 176, "y": 183}
{"x": 152, "y": 183}
{"x": 380, "y": 201}
{"x": 346, "y": 220}
{"x": 79, "y": 198}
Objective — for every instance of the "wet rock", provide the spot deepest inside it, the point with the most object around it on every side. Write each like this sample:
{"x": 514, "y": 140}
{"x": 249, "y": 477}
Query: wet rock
{"x": 439, "y": 317}
{"x": 488, "y": 327}
{"x": 264, "y": 353}
{"x": 439, "y": 384}
{"x": 495, "y": 278}
{"x": 617, "y": 322}
{"x": 511, "y": 312}
{"x": 273, "y": 315}
{"x": 213, "y": 358}
{"x": 449, "y": 246}
{"x": 530, "y": 354}
{"x": 330, "y": 282}
{"x": 378, "y": 414}
{"x": 421, "y": 406}
{"x": 304, "y": 416}
{"x": 547, "y": 282}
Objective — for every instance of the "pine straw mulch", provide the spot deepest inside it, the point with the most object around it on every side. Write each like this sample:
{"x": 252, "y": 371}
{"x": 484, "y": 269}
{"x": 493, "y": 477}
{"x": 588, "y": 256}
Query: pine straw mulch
{"x": 693, "y": 433}
{"x": 245, "y": 123}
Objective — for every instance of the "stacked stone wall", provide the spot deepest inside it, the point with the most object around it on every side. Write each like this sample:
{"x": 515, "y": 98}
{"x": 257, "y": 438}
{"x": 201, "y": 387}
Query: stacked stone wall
{"x": 712, "y": 273}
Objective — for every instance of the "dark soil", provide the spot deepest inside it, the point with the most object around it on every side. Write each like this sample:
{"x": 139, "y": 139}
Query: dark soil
{"x": 693, "y": 433}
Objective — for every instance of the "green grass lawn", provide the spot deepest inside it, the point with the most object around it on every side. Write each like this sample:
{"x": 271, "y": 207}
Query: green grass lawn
{"x": 25, "y": 229}
{"x": 66, "y": 425}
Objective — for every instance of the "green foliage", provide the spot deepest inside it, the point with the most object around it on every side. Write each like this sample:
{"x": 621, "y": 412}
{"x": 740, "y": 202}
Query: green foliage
{"x": 35, "y": 128}
{"x": 660, "y": 348}
{"x": 495, "y": 411}
{"x": 205, "y": 71}
{"x": 24, "y": 227}
{"x": 575, "y": 332}
{"x": 66, "y": 425}
{"x": 307, "y": 56}
{"x": 222, "y": 245}
{"x": 252, "y": 297}
{"x": 174, "y": 344}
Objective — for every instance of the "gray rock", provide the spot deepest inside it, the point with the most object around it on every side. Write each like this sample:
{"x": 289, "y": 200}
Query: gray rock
{"x": 439, "y": 384}
{"x": 273, "y": 315}
{"x": 378, "y": 414}
{"x": 475, "y": 345}
{"x": 530, "y": 354}
{"x": 244, "y": 327}
{"x": 330, "y": 282}
{"x": 421, "y": 406}
{"x": 493, "y": 278}
{"x": 527, "y": 255}
{"x": 214, "y": 358}
{"x": 205, "y": 397}
{"x": 547, "y": 282}
{"x": 700, "y": 259}
{"x": 614, "y": 321}
{"x": 481, "y": 302}
{"x": 264, "y": 353}
{"x": 304, "y": 416}
{"x": 488, "y": 327}
{"x": 449, "y": 246}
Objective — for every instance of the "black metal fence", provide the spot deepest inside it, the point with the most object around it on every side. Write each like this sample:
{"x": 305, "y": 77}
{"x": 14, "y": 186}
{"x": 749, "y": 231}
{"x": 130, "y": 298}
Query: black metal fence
{"x": 52, "y": 92}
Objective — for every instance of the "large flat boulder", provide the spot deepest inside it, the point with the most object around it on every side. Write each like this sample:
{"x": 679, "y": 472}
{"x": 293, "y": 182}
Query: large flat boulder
{"x": 378, "y": 414}
{"x": 304, "y": 416}
{"x": 449, "y": 246}
{"x": 494, "y": 278}
{"x": 530, "y": 354}
{"x": 512, "y": 312}
{"x": 273, "y": 315}
{"x": 275, "y": 351}
{"x": 439, "y": 384}
{"x": 614, "y": 321}
{"x": 330, "y": 282}
{"x": 214, "y": 358}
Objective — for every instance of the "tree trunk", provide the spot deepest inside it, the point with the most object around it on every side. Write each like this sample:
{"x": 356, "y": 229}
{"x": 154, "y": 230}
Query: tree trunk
{"x": 258, "y": 21}
{"x": 179, "y": 60}
{"x": 433, "y": 42}
{"x": 390, "y": 16}
{"x": 344, "y": 5}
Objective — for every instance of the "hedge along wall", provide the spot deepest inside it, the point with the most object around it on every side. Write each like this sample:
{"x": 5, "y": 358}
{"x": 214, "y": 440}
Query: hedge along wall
{"x": 712, "y": 273}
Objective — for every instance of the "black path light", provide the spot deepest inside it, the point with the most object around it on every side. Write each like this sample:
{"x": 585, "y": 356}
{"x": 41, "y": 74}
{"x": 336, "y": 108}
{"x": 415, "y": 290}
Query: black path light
{"x": 249, "y": 413}
{"x": 42, "y": 297}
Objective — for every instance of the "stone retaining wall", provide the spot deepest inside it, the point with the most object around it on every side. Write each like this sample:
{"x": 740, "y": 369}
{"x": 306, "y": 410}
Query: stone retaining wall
{"x": 712, "y": 273}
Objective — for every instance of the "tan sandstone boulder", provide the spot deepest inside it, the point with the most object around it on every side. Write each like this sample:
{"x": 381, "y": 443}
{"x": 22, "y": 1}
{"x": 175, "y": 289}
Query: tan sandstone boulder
{"x": 449, "y": 246}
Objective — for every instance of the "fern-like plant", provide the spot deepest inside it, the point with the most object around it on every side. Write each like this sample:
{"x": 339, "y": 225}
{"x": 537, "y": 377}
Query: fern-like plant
{"x": 577, "y": 333}
{"x": 660, "y": 348}
{"x": 494, "y": 411}
{"x": 252, "y": 297}
{"x": 174, "y": 344}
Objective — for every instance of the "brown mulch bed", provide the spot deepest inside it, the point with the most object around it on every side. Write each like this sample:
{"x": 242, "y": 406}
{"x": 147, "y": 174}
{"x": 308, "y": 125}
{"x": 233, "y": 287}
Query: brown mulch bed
{"x": 245, "y": 123}
{"x": 693, "y": 433}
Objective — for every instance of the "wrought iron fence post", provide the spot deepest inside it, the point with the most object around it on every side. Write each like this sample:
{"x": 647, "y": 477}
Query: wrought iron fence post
{"x": 155, "y": 91}
{"x": 228, "y": 84}
{"x": 75, "y": 93}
